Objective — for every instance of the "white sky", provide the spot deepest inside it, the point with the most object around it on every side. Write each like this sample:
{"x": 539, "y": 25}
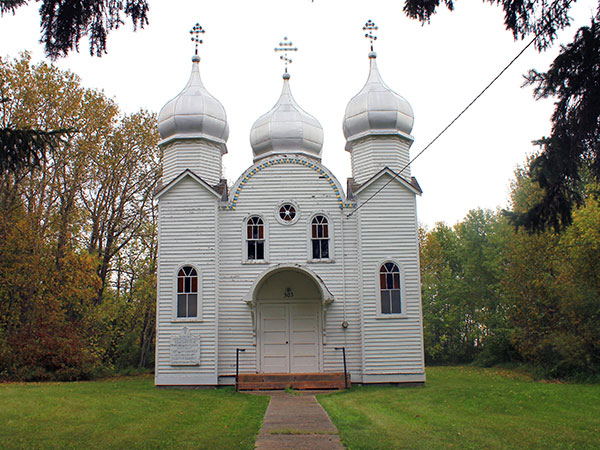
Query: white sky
{"x": 438, "y": 68}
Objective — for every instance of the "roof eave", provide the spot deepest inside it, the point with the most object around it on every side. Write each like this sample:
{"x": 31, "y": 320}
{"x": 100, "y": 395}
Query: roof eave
{"x": 412, "y": 186}
{"x": 186, "y": 173}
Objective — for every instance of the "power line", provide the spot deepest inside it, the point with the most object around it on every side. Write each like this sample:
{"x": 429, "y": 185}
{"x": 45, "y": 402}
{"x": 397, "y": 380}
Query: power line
{"x": 397, "y": 175}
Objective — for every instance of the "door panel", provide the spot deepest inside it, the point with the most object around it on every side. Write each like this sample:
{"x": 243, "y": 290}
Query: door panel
{"x": 274, "y": 340}
{"x": 304, "y": 337}
{"x": 289, "y": 337}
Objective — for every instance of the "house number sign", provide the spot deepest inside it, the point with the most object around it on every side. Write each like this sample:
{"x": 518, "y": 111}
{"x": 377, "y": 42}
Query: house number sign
{"x": 288, "y": 293}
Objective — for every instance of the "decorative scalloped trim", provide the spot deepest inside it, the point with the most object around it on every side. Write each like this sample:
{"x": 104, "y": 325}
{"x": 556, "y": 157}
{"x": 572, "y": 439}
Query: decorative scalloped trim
{"x": 273, "y": 162}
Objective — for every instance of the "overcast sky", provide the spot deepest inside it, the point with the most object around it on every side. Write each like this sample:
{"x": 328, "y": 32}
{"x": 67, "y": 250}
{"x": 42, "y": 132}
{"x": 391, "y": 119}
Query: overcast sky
{"x": 439, "y": 68}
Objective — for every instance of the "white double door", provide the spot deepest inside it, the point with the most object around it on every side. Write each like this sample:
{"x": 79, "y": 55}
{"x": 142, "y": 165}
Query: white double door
{"x": 289, "y": 337}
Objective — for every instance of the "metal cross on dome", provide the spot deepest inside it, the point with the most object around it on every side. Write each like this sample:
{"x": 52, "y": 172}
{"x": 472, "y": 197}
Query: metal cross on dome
{"x": 370, "y": 29}
{"x": 286, "y": 46}
{"x": 196, "y": 31}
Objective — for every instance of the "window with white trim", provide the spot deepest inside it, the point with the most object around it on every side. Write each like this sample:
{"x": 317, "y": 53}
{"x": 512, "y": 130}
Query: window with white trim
{"x": 390, "y": 288}
{"x": 255, "y": 239}
{"x": 187, "y": 292}
{"x": 320, "y": 237}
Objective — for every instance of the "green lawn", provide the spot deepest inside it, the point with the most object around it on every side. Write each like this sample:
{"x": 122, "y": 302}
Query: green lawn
{"x": 460, "y": 407}
{"x": 465, "y": 407}
{"x": 126, "y": 413}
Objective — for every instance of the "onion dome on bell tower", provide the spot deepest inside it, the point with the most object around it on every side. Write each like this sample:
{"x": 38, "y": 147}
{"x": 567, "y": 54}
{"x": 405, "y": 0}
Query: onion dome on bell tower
{"x": 193, "y": 127}
{"x": 286, "y": 128}
{"x": 377, "y": 124}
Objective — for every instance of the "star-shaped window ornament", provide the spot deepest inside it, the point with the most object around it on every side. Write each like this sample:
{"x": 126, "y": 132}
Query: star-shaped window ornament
{"x": 287, "y": 212}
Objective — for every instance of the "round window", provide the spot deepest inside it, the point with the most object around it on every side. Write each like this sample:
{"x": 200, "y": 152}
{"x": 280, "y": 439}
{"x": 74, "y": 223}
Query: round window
{"x": 287, "y": 212}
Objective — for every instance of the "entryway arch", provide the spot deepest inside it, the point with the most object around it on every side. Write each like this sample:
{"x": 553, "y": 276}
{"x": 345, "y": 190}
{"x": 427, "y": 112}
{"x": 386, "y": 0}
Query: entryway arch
{"x": 289, "y": 309}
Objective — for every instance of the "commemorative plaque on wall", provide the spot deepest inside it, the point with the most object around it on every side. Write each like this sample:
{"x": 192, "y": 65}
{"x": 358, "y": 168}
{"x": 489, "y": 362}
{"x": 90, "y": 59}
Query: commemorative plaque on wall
{"x": 185, "y": 349}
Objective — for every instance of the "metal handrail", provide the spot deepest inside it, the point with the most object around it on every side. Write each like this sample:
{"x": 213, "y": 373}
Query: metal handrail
{"x": 343, "y": 349}
{"x": 237, "y": 366}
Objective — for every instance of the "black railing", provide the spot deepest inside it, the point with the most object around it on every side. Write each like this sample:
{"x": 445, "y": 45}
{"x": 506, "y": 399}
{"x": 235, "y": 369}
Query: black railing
{"x": 237, "y": 366}
{"x": 343, "y": 349}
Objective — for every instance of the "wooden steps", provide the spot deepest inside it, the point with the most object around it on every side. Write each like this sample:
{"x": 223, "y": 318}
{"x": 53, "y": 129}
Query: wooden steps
{"x": 269, "y": 381}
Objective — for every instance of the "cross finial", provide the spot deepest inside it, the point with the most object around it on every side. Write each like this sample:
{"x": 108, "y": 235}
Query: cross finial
{"x": 196, "y": 31}
{"x": 370, "y": 29}
{"x": 286, "y": 46}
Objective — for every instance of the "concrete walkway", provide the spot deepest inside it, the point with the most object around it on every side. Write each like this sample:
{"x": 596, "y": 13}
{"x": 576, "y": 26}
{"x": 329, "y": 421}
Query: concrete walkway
{"x": 297, "y": 421}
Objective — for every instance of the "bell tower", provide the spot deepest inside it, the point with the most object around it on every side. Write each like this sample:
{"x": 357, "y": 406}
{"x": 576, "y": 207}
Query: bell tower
{"x": 193, "y": 127}
{"x": 377, "y": 124}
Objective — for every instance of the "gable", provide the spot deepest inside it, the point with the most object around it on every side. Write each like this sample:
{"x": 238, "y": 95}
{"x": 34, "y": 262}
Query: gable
{"x": 294, "y": 162}
{"x": 412, "y": 186}
{"x": 186, "y": 175}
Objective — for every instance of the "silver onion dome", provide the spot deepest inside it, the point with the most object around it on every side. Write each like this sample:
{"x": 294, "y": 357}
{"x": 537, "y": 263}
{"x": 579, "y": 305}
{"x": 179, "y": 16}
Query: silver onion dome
{"x": 376, "y": 109}
{"x": 194, "y": 113}
{"x": 286, "y": 128}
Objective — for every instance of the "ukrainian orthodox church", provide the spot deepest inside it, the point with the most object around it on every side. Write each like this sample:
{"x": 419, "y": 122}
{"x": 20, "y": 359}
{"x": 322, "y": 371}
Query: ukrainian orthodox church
{"x": 287, "y": 264}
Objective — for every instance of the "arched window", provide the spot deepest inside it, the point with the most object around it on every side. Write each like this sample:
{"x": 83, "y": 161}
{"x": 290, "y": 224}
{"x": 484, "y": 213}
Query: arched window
{"x": 389, "y": 284}
{"x": 187, "y": 292}
{"x": 255, "y": 238}
{"x": 320, "y": 237}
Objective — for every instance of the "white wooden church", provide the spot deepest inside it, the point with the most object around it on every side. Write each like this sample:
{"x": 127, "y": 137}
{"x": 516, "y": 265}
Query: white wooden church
{"x": 286, "y": 264}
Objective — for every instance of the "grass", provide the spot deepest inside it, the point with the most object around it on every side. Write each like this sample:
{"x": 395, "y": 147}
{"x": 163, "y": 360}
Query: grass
{"x": 460, "y": 407}
{"x": 126, "y": 413}
{"x": 468, "y": 408}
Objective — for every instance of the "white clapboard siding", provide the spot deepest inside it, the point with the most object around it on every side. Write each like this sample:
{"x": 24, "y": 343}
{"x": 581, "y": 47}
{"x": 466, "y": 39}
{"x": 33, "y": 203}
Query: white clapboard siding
{"x": 388, "y": 231}
{"x": 371, "y": 154}
{"x": 195, "y": 228}
{"x": 198, "y": 155}
{"x": 261, "y": 195}
{"x": 187, "y": 227}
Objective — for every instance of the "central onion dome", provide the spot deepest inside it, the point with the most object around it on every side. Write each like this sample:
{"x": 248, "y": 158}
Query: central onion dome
{"x": 377, "y": 110}
{"x": 194, "y": 113}
{"x": 286, "y": 128}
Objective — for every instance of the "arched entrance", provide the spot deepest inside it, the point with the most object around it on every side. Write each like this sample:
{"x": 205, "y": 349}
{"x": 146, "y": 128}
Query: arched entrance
{"x": 289, "y": 315}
